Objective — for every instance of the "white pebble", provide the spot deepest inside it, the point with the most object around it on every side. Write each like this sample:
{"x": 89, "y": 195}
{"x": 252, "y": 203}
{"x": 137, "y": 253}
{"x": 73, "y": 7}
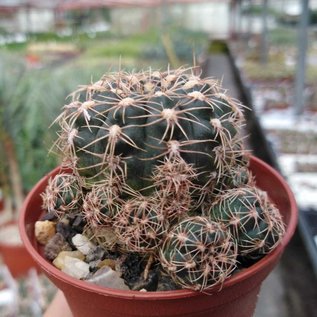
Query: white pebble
{"x": 107, "y": 277}
{"x": 59, "y": 261}
{"x": 83, "y": 244}
{"x": 75, "y": 267}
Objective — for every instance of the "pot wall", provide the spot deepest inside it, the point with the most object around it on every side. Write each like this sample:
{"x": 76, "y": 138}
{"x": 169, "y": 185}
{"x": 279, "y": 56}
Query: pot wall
{"x": 237, "y": 297}
{"x": 239, "y": 301}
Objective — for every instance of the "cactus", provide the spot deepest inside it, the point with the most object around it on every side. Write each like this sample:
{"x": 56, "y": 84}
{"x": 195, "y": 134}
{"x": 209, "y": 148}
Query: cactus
{"x": 100, "y": 204}
{"x": 151, "y": 155}
{"x": 140, "y": 225}
{"x": 198, "y": 253}
{"x": 131, "y": 122}
{"x": 63, "y": 194}
{"x": 252, "y": 219}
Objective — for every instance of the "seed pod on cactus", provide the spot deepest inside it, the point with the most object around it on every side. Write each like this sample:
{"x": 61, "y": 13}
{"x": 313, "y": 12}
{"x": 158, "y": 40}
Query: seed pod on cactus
{"x": 198, "y": 253}
{"x": 63, "y": 194}
{"x": 253, "y": 221}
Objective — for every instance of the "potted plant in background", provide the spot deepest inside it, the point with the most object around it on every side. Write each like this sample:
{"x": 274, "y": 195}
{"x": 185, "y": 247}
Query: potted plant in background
{"x": 157, "y": 205}
{"x": 12, "y": 251}
{"x": 22, "y": 96}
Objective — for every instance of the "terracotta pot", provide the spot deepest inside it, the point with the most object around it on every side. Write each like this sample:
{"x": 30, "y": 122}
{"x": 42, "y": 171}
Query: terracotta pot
{"x": 15, "y": 256}
{"x": 237, "y": 297}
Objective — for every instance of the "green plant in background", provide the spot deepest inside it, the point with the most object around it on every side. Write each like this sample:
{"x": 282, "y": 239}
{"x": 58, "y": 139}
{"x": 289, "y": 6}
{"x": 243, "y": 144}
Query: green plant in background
{"x": 27, "y": 95}
{"x": 272, "y": 71}
{"x": 256, "y": 10}
{"x": 218, "y": 47}
{"x": 283, "y": 36}
{"x": 148, "y": 152}
{"x": 11, "y": 71}
{"x": 185, "y": 46}
{"x": 41, "y": 91}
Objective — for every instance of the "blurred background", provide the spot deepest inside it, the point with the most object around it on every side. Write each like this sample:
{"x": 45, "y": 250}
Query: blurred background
{"x": 265, "y": 54}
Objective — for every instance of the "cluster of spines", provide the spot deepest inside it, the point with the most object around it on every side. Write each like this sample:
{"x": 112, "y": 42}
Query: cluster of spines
{"x": 63, "y": 194}
{"x": 140, "y": 225}
{"x": 101, "y": 204}
{"x": 199, "y": 253}
{"x": 253, "y": 221}
{"x": 102, "y": 125}
{"x": 173, "y": 180}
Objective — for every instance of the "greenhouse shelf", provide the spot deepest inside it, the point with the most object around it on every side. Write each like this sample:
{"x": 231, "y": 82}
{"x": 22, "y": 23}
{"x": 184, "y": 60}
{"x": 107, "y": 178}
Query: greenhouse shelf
{"x": 265, "y": 144}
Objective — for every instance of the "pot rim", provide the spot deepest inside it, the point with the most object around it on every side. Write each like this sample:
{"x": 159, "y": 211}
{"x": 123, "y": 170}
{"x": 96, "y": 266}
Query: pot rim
{"x": 162, "y": 295}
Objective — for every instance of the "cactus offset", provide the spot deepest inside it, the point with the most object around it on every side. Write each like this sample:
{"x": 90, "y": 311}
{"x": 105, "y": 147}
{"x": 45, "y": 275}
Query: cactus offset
{"x": 198, "y": 253}
{"x": 100, "y": 204}
{"x": 140, "y": 225}
{"x": 63, "y": 194}
{"x": 253, "y": 221}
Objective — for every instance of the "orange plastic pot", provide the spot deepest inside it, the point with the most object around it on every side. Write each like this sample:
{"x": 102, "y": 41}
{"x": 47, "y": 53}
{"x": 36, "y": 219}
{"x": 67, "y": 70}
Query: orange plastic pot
{"x": 15, "y": 256}
{"x": 237, "y": 297}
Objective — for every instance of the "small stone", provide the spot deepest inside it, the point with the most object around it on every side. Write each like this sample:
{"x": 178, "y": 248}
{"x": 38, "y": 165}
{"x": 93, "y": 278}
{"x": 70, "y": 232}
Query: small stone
{"x": 94, "y": 265}
{"x": 107, "y": 262}
{"x": 59, "y": 261}
{"x": 78, "y": 223}
{"x": 83, "y": 244}
{"x": 98, "y": 253}
{"x": 107, "y": 277}
{"x": 49, "y": 216}
{"x": 75, "y": 267}
{"x": 55, "y": 245}
{"x": 44, "y": 231}
{"x": 66, "y": 231}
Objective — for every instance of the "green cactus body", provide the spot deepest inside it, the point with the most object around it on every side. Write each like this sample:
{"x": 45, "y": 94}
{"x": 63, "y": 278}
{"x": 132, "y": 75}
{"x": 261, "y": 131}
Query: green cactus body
{"x": 140, "y": 226}
{"x": 252, "y": 220}
{"x": 63, "y": 194}
{"x": 128, "y": 126}
{"x": 101, "y": 204}
{"x": 173, "y": 180}
{"x": 236, "y": 177}
{"x": 198, "y": 253}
